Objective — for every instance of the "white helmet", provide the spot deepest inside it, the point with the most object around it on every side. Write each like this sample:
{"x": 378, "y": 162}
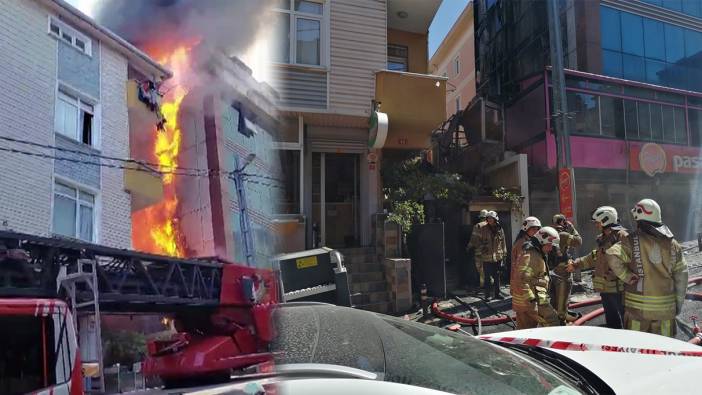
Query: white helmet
{"x": 530, "y": 222}
{"x": 492, "y": 214}
{"x": 548, "y": 236}
{"x": 647, "y": 210}
{"x": 483, "y": 214}
{"x": 606, "y": 215}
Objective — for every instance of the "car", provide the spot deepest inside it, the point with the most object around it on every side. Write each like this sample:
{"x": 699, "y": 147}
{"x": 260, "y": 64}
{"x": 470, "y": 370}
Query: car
{"x": 342, "y": 350}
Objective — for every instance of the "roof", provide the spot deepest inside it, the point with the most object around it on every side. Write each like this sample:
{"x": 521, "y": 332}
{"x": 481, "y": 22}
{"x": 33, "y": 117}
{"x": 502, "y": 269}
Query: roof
{"x": 135, "y": 56}
{"x": 460, "y": 27}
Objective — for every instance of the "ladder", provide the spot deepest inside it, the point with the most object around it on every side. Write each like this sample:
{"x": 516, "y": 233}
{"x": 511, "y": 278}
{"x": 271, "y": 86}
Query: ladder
{"x": 74, "y": 278}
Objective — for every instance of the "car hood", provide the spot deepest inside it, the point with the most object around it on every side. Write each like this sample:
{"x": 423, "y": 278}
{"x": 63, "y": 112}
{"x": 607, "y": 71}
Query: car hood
{"x": 625, "y": 368}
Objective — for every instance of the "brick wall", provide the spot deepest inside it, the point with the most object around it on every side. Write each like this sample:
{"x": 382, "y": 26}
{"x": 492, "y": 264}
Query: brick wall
{"x": 115, "y": 213}
{"x": 28, "y": 81}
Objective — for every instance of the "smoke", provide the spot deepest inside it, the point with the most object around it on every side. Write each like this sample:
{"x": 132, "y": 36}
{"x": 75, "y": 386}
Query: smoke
{"x": 228, "y": 25}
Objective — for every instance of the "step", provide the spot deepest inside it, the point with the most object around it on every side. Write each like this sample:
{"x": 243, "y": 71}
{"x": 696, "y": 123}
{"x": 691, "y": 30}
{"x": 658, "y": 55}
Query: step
{"x": 370, "y": 297}
{"x": 370, "y": 286}
{"x": 356, "y": 278}
{"x": 364, "y": 268}
{"x": 379, "y": 307}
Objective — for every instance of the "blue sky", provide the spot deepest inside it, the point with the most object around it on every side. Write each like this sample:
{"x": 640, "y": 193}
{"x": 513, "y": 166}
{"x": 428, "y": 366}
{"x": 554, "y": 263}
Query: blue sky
{"x": 447, "y": 14}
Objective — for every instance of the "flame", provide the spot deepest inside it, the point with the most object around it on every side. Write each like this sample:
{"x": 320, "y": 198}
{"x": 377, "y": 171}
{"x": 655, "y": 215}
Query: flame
{"x": 156, "y": 229}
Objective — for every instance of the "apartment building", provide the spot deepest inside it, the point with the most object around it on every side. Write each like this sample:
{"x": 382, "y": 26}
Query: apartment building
{"x": 633, "y": 75}
{"x": 63, "y": 109}
{"x": 454, "y": 59}
{"x": 354, "y": 91}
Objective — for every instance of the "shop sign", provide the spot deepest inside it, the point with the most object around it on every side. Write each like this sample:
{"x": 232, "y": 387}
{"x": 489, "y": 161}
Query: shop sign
{"x": 565, "y": 192}
{"x": 378, "y": 129}
{"x": 652, "y": 159}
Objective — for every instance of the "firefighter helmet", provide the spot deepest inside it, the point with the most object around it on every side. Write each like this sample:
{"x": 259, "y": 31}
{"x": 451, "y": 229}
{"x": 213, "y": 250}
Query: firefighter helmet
{"x": 493, "y": 215}
{"x": 558, "y": 218}
{"x": 647, "y": 210}
{"x": 483, "y": 214}
{"x": 548, "y": 236}
{"x": 605, "y": 215}
{"x": 530, "y": 222}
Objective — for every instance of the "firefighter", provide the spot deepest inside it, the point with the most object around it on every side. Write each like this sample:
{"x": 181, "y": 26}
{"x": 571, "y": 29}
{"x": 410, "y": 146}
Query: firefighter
{"x": 650, "y": 263}
{"x": 562, "y": 280}
{"x": 520, "y": 301}
{"x": 475, "y": 243}
{"x": 604, "y": 281}
{"x": 533, "y": 280}
{"x": 491, "y": 251}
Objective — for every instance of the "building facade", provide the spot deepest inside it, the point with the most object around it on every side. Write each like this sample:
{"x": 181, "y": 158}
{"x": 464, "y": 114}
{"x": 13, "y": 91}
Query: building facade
{"x": 340, "y": 66}
{"x": 63, "y": 109}
{"x": 455, "y": 59}
{"x": 633, "y": 93}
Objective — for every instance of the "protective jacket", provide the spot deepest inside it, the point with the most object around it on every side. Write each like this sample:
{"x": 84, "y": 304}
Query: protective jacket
{"x": 491, "y": 245}
{"x": 658, "y": 262}
{"x": 533, "y": 280}
{"x": 603, "y": 280}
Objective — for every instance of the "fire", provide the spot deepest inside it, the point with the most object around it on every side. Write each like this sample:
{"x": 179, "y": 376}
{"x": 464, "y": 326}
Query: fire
{"x": 156, "y": 228}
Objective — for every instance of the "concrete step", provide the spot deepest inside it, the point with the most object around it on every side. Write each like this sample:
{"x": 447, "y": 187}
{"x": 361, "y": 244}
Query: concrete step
{"x": 370, "y": 286}
{"x": 357, "y": 278}
{"x": 364, "y": 267}
{"x": 370, "y": 297}
{"x": 379, "y": 307}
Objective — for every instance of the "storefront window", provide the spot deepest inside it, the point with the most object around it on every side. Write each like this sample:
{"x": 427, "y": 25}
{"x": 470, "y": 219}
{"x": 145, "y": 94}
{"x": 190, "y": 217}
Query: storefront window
{"x": 290, "y": 176}
{"x": 586, "y": 109}
{"x": 612, "y": 110}
{"x": 695, "y": 117}
{"x": 656, "y": 122}
{"x": 668, "y": 124}
{"x": 644, "y": 110}
{"x": 680, "y": 126}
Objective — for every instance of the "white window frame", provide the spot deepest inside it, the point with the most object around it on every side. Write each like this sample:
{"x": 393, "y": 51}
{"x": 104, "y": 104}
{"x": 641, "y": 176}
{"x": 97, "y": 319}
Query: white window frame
{"x": 78, "y": 188}
{"x": 457, "y": 65}
{"x": 81, "y": 102}
{"x": 324, "y": 34}
{"x": 73, "y": 33}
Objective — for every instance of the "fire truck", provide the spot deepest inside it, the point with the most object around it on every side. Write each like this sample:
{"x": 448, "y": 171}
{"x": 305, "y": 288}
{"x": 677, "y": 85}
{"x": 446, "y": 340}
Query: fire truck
{"x": 53, "y": 291}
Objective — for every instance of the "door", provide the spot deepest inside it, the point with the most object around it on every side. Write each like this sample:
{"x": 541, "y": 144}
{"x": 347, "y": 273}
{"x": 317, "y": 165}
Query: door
{"x": 335, "y": 200}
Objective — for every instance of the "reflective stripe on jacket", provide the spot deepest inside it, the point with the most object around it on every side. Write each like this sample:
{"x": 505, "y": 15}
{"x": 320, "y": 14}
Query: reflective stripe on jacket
{"x": 533, "y": 276}
{"x": 604, "y": 280}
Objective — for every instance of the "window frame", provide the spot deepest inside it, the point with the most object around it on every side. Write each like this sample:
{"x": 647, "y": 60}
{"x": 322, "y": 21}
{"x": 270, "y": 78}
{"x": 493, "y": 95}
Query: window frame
{"x": 324, "y": 34}
{"x": 457, "y": 66}
{"x": 83, "y": 104}
{"x": 78, "y": 202}
{"x": 73, "y": 33}
{"x": 299, "y": 146}
{"x": 398, "y": 59}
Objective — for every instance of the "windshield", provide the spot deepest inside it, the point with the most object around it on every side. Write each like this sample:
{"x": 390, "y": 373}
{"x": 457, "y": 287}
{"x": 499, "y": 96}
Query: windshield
{"x": 406, "y": 352}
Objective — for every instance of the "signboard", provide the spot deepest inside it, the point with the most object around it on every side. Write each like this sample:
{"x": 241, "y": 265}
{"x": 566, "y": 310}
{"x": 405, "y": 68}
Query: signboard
{"x": 652, "y": 159}
{"x": 565, "y": 192}
{"x": 378, "y": 129}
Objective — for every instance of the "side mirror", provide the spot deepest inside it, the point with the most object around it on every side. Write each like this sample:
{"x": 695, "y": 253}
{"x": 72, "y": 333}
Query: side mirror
{"x": 90, "y": 369}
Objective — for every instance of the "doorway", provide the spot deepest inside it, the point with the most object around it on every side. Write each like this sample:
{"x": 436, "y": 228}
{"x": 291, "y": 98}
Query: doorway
{"x": 335, "y": 200}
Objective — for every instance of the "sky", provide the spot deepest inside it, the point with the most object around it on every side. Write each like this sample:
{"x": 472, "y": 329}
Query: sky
{"x": 445, "y": 17}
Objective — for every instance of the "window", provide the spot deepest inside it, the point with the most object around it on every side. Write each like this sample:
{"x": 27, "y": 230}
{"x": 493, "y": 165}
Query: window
{"x": 633, "y": 67}
{"x": 631, "y": 120}
{"x": 611, "y": 29}
{"x": 587, "y": 116}
{"x": 457, "y": 66}
{"x": 299, "y": 27}
{"x": 644, "y": 110}
{"x": 397, "y": 57}
{"x": 74, "y": 212}
{"x": 290, "y": 166}
{"x": 680, "y": 126}
{"x": 674, "y": 43}
{"x": 612, "y": 112}
{"x": 632, "y": 37}
{"x": 74, "y": 118}
{"x": 612, "y": 63}
{"x": 654, "y": 37}
{"x": 458, "y": 103}
{"x": 70, "y": 35}
{"x": 29, "y": 354}
{"x": 695, "y": 117}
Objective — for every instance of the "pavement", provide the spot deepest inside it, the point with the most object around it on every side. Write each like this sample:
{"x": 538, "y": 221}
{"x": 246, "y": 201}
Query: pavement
{"x": 460, "y": 300}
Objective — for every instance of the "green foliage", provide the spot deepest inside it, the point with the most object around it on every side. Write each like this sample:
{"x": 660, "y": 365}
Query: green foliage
{"x": 506, "y": 195}
{"x": 415, "y": 181}
{"x": 406, "y": 213}
{"x": 410, "y": 182}
{"x": 123, "y": 347}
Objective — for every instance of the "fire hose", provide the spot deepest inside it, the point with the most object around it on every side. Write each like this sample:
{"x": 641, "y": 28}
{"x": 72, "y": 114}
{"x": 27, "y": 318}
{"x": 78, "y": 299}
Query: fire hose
{"x": 580, "y": 321}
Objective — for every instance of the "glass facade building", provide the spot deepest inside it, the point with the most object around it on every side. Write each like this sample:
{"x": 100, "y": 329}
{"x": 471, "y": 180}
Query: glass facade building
{"x": 643, "y": 49}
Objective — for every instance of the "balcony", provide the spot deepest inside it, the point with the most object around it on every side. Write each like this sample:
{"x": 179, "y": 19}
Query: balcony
{"x": 145, "y": 187}
{"x": 415, "y": 105}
